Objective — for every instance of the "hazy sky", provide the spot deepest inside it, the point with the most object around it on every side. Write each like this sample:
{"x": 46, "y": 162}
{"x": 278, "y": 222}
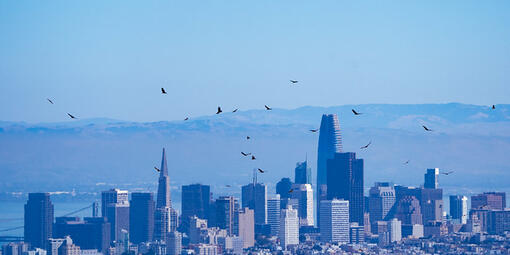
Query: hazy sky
{"x": 110, "y": 58}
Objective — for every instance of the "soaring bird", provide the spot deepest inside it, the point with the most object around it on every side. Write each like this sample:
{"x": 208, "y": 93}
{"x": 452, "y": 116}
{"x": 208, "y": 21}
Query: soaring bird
{"x": 426, "y": 128}
{"x": 407, "y": 162}
{"x": 219, "y": 110}
{"x": 493, "y": 107}
{"x": 157, "y": 169}
{"x": 314, "y": 130}
{"x": 261, "y": 171}
{"x": 253, "y": 157}
{"x": 291, "y": 190}
{"x": 163, "y": 91}
{"x": 246, "y": 154}
{"x": 186, "y": 118}
{"x": 49, "y": 100}
{"x": 228, "y": 186}
{"x": 235, "y": 110}
{"x": 268, "y": 108}
{"x": 366, "y": 146}
{"x": 355, "y": 112}
{"x": 247, "y": 138}
{"x": 71, "y": 116}
{"x": 294, "y": 81}
{"x": 447, "y": 173}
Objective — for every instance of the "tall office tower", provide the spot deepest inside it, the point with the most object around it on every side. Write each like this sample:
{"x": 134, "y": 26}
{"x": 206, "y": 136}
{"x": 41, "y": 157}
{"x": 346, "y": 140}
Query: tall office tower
{"x": 91, "y": 233}
{"x": 381, "y": 199}
{"x": 225, "y": 210}
{"x": 408, "y": 211}
{"x": 431, "y": 201}
{"x": 395, "y": 229}
{"x": 432, "y": 178}
{"x": 173, "y": 243}
{"x": 303, "y": 173}
{"x": 283, "y": 188}
{"x": 273, "y": 214}
{"x": 458, "y": 208}
{"x": 163, "y": 202}
{"x": 115, "y": 207}
{"x": 141, "y": 217}
{"x": 38, "y": 220}
{"x": 246, "y": 226}
{"x": 289, "y": 227}
{"x": 254, "y": 196}
{"x": 345, "y": 181}
{"x": 330, "y": 142}
{"x": 197, "y": 199}
{"x": 304, "y": 194}
{"x": 335, "y": 224}
{"x": 489, "y": 200}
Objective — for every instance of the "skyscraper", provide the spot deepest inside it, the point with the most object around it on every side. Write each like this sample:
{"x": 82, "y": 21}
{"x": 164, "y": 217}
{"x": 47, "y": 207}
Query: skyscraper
{"x": 113, "y": 196}
{"x": 458, "y": 208}
{"x": 345, "y": 181}
{"x": 91, "y": 233}
{"x": 381, "y": 199}
{"x": 38, "y": 220}
{"x": 197, "y": 199}
{"x": 289, "y": 227}
{"x": 163, "y": 203}
{"x": 432, "y": 178}
{"x": 330, "y": 142}
{"x": 246, "y": 226}
{"x": 254, "y": 196}
{"x": 304, "y": 194}
{"x": 273, "y": 214}
{"x": 141, "y": 217}
{"x": 283, "y": 187}
{"x": 303, "y": 173}
{"x": 335, "y": 224}
{"x": 408, "y": 211}
{"x": 489, "y": 200}
{"x": 225, "y": 207}
{"x": 115, "y": 207}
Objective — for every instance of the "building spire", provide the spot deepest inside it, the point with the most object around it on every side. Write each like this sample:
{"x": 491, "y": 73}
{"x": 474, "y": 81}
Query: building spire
{"x": 163, "y": 199}
{"x": 164, "y": 167}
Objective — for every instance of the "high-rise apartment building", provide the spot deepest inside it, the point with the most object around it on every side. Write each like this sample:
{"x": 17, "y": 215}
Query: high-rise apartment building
{"x": 289, "y": 227}
{"x": 38, "y": 220}
{"x": 141, "y": 217}
{"x": 254, "y": 196}
{"x": 335, "y": 224}
{"x": 303, "y": 173}
{"x": 273, "y": 214}
{"x": 459, "y": 208}
{"x": 304, "y": 194}
{"x": 345, "y": 181}
{"x": 330, "y": 142}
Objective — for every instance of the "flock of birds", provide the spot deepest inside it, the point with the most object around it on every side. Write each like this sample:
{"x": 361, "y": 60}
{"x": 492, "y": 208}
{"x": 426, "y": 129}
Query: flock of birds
{"x": 246, "y": 154}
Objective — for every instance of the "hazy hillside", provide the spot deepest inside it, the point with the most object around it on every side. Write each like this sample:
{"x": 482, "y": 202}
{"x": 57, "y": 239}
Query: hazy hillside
{"x": 474, "y": 141}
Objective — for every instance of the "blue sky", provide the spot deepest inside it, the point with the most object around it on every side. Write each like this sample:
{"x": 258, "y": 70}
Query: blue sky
{"x": 110, "y": 58}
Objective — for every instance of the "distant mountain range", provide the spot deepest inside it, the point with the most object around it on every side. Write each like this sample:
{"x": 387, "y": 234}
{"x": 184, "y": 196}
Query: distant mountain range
{"x": 473, "y": 141}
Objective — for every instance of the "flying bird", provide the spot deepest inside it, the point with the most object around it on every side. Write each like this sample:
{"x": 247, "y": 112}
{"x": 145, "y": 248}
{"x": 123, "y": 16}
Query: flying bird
{"x": 426, "y": 128}
{"x": 49, "y": 100}
{"x": 163, "y": 91}
{"x": 493, "y": 106}
{"x": 71, "y": 116}
{"x": 447, "y": 173}
{"x": 261, "y": 171}
{"x": 246, "y": 154}
{"x": 228, "y": 186}
{"x": 247, "y": 138}
{"x": 355, "y": 112}
{"x": 235, "y": 110}
{"x": 294, "y": 81}
{"x": 314, "y": 130}
{"x": 407, "y": 162}
{"x": 186, "y": 118}
{"x": 268, "y": 108}
{"x": 157, "y": 169}
{"x": 253, "y": 157}
{"x": 291, "y": 190}
{"x": 219, "y": 110}
{"x": 366, "y": 146}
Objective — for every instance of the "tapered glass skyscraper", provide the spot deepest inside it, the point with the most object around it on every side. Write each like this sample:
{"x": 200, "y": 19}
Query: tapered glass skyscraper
{"x": 330, "y": 142}
{"x": 163, "y": 203}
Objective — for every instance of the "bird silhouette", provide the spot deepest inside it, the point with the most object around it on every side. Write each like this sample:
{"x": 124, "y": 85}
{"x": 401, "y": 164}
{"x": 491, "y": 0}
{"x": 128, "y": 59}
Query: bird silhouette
{"x": 355, "y": 112}
{"x": 294, "y": 81}
{"x": 157, "y": 169}
{"x": 268, "y": 108}
{"x": 314, "y": 130}
{"x": 253, "y": 157}
{"x": 219, "y": 110}
{"x": 407, "y": 162}
{"x": 426, "y": 128}
{"x": 163, "y": 91}
{"x": 447, "y": 173}
{"x": 261, "y": 171}
{"x": 291, "y": 190}
{"x": 493, "y": 107}
{"x": 248, "y": 138}
{"x": 246, "y": 154}
{"x": 49, "y": 100}
{"x": 228, "y": 186}
{"x": 186, "y": 118}
{"x": 366, "y": 146}
{"x": 71, "y": 116}
{"x": 235, "y": 110}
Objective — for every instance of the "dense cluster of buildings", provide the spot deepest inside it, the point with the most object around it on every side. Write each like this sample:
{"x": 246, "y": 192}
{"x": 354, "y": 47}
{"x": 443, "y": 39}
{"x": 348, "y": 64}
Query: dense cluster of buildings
{"x": 392, "y": 218}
